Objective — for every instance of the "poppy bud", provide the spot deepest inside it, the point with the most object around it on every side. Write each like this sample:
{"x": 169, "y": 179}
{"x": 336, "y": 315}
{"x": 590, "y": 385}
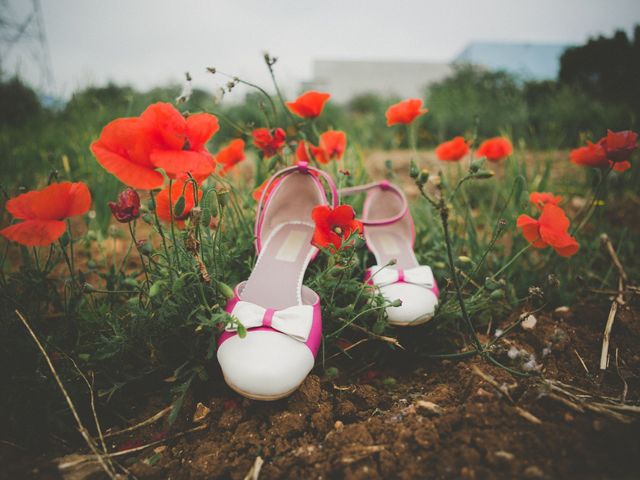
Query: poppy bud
{"x": 413, "y": 170}
{"x": 423, "y": 177}
{"x": 484, "y": 174}
{"x": 127, "y": 207}
{"x": 226, "y": 290}
{"x": 475, "y": 166}
{"x": 178, "y": 208}
{"x": 396, "y": 303}
{"x": 223, "y": 197}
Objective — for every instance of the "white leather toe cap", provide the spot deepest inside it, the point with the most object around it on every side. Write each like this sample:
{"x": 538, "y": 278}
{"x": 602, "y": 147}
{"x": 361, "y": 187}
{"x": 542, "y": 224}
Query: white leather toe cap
{"x": 264, "y": 363}
{"x": 418, "y": 303}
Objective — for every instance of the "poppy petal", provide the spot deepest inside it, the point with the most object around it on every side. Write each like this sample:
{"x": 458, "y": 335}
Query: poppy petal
{"x": 321, "y": 216}
{"x": 553, "y": 218}
{"x": 177, "y": 163}
{"x": 79, "y": 201}
{"x": 622, "y": 166}
{"x": 569, "y": 249}
{"x": 200, "y": 128}
{"x": 343, "y": 215}
{"x": 531, "y": 231}
{"x": 131, "y": 174}
{"x": 35, "y": 233}
{"x": 165, "y": 125}
{"x": 20, "y": 206}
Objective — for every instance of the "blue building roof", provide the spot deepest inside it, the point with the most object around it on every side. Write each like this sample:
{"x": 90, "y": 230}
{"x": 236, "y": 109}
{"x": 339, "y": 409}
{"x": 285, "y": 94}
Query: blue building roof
{"x": 529, "y": 61}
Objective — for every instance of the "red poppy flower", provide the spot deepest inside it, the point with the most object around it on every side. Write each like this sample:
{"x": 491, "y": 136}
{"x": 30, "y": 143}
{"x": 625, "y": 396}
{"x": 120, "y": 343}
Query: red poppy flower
{"x": 333, "y": 143}
{"x": 618, "y": 146}
{"x": 122, "y": 152}
{"x": 231, "y": 155}
{"x": 334, "y": 226}
{"x": 593, "y": 155}
{"x": 495, "y": 149}
{"x": 453, "y": 150}
{"x": 176, "y": 144}
{"x": 43, "y": 213}
{"x": 162, "y": 202}
{"x": 309, "y": 104}
{"x": 270, "y": 143}
{"x": 405, "y": 112}
{"x": 127, "y": 207}
{"x": 257, "y": 193}
{"x": 301, "y": 151}
{"x": 540, "y": 199}
{"x": 132, "y": 148}
{"x": 551, "y": 229}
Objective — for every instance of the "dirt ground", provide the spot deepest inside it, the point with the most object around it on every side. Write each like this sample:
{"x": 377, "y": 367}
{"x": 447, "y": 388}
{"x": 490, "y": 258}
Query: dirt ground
{"x": 409, "y": 417}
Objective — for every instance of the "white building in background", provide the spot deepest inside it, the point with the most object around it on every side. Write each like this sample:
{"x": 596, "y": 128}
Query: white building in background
{"x": 346, "y": 79}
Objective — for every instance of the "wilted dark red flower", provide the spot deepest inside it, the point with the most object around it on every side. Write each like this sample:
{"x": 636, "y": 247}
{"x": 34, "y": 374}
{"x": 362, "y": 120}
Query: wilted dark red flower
{"x": 540, "y": 199}
{"x": 231, "y": 155}
{"x": 495, "y": 149}
{"x": 127, "y": 208}
{"x": 309, "y": 104}
{"x": 405, "y": 112}
{"x": 453, "y": 150}
{"x": 44, "y": 213}
{"x": 270, "y": 143}
{"x": 618, "y": 146}
{"x": 334, "y": 226}
{"x": 551, "y": 229}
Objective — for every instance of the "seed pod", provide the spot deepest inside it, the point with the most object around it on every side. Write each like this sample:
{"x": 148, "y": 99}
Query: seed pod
{"x": 396, "y": 303}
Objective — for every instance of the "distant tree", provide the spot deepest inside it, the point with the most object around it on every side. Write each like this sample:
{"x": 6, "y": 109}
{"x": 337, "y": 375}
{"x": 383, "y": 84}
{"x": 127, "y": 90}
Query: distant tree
{"x": 19, "y": 104}
{"x": 607, "y": 68}
{"x": 492, "y": 99}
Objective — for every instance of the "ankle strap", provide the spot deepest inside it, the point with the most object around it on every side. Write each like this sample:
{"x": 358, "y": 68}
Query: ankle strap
{"x": 302, "y": 167}
{"x": 383, "y": 185}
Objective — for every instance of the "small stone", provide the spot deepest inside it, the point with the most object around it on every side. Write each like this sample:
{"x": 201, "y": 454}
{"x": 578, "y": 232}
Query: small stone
{"x": 529, "y": 323}
{"x": 201, "y": 413}
{"x": 533, "y": 472}
{"x": 502, "y": 455}
{"x": 160, "y": 449}
{"x": 563, "y": 309}
{"x": 430, "y": 408}
{"x": 568, "y": 417}
{"x": 338, "y": 425}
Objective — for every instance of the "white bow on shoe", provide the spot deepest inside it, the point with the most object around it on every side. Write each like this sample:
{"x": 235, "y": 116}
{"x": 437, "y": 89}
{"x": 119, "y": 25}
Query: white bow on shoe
{"x": 293, "y": 321}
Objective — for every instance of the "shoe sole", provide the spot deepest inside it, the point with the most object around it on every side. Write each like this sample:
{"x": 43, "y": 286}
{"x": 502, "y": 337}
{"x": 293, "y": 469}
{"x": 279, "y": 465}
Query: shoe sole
{"x": 263, "y": 398}
{"x": 414, "y": 323}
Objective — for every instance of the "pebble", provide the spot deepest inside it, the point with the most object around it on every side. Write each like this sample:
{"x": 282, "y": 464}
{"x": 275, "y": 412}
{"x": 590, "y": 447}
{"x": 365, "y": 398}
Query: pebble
{"x": 529, "y": 323}
{"x": 533, "y": 472}
{"x": 430, "y": 408}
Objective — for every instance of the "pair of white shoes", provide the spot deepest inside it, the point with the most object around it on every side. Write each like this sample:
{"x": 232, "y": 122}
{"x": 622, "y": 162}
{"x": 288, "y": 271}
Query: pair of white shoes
{"x": 282, "y": 316}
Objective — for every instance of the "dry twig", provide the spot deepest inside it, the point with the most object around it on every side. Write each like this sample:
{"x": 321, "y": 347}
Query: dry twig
{"x": 619, "y": 300}
{"x": 148, "y": 421}
{"x": 83, "y": 431}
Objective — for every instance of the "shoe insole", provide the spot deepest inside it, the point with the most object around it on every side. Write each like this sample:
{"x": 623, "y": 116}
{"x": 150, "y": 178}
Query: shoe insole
{"x": 276, "y": 279}
{"x": 387, "y": 244}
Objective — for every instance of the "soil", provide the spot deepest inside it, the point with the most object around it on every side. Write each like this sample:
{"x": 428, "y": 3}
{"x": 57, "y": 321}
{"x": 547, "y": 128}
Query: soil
{"x": 409, "y": 417}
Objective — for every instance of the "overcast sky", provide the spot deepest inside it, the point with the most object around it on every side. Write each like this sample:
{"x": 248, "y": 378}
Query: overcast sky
{"x": 151, "y": 42}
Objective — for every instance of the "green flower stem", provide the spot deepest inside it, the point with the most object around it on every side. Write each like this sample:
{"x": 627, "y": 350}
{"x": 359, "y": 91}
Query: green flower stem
{"x": 131, "y": 226}
{"x": 444, "y": 218}
{"x": 588, "y": 212}
{"x": 161, "y": 232}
